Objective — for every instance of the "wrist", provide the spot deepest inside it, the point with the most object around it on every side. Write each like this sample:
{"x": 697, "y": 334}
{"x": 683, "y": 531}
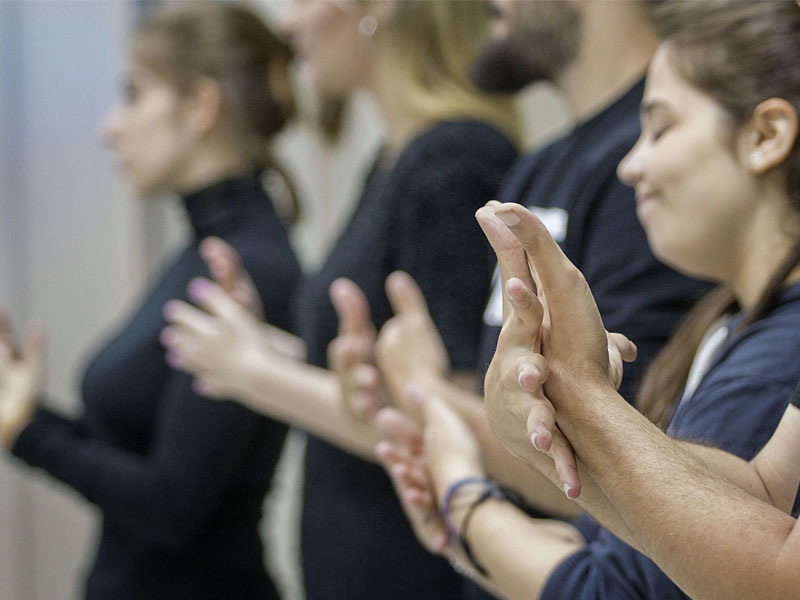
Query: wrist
{"x": 14, "y": 420}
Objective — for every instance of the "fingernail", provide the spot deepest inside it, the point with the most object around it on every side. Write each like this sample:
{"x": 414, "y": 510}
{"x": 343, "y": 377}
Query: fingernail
{"x": 507, "y": 217}
{"x": 530, "y": 372}
{"x": 566, "y": 490}
{"x": 533, "y": 441}
{"x": 169, "y": 310}
{"x": 168, "y": 336}
{"x": 198, "y": 288}
{"x": 174, "y": 359}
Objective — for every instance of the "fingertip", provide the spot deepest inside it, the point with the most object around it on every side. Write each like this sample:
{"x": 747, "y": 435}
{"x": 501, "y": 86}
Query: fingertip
{"x": 174, "y": 359}
{"x": 170, "y": 310}
{"x": 530, "y": 378}
{"x": 199, "y": 288}
{"x": 168, "y": 336}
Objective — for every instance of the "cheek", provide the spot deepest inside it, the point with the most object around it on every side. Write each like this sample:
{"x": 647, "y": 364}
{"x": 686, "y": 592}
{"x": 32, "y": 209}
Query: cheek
{"x": 156, "y": 147}
{"x": 701, "y": 206}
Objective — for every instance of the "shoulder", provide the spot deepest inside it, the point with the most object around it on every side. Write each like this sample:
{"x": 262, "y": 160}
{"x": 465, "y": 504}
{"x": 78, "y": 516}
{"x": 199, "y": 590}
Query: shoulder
{"x": 452, "y": 142}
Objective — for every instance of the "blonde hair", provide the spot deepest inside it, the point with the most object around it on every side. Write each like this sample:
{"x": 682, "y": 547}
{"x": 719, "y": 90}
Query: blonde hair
{"x": 437, "y": 41}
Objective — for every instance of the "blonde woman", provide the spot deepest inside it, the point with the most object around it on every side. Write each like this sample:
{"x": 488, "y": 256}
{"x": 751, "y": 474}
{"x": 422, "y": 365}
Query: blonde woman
{"x": 446, "y": 151}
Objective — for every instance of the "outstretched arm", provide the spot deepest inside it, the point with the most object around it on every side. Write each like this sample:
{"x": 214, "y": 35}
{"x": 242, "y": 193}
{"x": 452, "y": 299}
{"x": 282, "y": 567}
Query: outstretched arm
{"x": 232, "y": 356}
{"x": 517, "y": 553}
{"x": 710, "y": 537}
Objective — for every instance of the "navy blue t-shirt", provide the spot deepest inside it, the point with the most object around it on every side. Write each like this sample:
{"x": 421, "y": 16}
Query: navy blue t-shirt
{"x": 572, "y": 186}
{"x": 736, "y": 406}
{"x": 180, "y": 479}
{"x": 418, "y": 215}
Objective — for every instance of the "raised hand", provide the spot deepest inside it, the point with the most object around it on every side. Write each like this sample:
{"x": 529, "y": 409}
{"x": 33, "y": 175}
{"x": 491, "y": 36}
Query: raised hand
{"x": 577, "y": 348}
{"x": 423, "y": 463}
{"x": 225, "y": 266}
{"x": 520, "y": 414}
{"x": 404, "y": 459}
{"x": 219, "y": 344}
{"x": 351, "y": 353}
{"x": 409, "y": 348}
{"x": 21, "y": 380}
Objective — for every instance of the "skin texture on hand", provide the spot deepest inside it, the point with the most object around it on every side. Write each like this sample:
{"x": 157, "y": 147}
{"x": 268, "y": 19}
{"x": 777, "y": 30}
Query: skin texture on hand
{"x": 351, "y": 353}
{"x": 521, "y": 416}
{"x": 409, "y": 346}
{"x": 20, "y": 381}
{"x": 225, "y": 266}
{"x": 217, "y": 344}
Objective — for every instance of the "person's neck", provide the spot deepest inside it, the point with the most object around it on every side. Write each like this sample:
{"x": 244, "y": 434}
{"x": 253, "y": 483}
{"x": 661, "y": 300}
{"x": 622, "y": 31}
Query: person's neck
{"x": 772, "y": 232}
{"x": 617, "y": 45}
{"x": 212, "y": 166}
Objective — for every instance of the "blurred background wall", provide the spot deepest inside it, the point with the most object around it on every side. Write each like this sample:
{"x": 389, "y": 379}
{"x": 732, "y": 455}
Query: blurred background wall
{"x": 76, "y": 247}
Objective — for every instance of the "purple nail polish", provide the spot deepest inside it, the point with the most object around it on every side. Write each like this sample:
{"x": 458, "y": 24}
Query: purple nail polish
{"x": 198, "y": 288}
{"x": 174, "y": 359}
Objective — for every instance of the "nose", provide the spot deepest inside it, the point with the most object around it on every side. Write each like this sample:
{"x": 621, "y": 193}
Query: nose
{"x": 630, "y": 169}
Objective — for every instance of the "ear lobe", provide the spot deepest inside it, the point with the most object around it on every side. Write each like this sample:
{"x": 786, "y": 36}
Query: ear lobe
{"x": 204, "y": 104}
{"x": 774, "y": 130}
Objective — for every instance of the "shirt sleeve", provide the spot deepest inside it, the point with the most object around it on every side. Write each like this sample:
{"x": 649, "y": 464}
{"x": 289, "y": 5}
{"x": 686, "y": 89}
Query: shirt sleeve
{"x": 167, "y": 496}
{"x": 442, "y": 247}
{"x": 738, "y": 415}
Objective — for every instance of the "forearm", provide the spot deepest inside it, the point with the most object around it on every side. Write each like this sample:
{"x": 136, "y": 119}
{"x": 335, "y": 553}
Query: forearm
{"x": 519, "y": 553}
{"x": 307, "y": 397}
{"x": 691, "y": 521}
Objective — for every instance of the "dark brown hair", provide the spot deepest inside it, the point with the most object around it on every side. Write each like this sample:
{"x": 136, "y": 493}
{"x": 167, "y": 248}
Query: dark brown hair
{"x": 232, "y": 45}
{"x": 739, "y": 52}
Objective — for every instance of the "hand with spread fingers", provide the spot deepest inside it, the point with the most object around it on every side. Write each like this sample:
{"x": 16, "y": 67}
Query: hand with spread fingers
{"x": 219, "y": 344}
{"x": 351, "y": 355}
{"x": 409, "y": 348}
{"x": 21, "y": 380}
{"x": 424, "y": 461}
{"x": 403, "y": 457}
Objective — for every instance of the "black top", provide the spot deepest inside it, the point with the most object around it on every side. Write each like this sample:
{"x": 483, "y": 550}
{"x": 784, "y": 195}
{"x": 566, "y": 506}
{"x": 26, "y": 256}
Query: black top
{"x": 417, "y": 216}
{"x": 180, "y": 479}
{"x": 572, "y": 185}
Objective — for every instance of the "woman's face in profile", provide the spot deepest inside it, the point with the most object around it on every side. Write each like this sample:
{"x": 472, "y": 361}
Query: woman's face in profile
{"x": 149, "y": 131}
{"x": 325, "y": 37}
{"x": 694, "y": 194}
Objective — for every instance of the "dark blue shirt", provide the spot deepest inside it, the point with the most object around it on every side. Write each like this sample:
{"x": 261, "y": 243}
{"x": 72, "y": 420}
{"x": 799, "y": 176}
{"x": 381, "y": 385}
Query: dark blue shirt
{"x": 180, "y": 479}
{"x": 418, "y": 216}
{"x": 736, "y": 406}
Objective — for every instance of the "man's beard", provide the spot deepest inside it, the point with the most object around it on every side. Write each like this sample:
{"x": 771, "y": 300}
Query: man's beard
{"x": 543, "y": 40}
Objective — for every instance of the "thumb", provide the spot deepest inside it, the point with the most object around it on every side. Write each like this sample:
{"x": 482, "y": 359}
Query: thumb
{"x": 351, "y": 307}
{"x": 404, "y": 294}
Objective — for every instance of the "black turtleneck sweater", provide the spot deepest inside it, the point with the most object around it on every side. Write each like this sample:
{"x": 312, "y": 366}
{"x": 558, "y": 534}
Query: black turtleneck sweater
{"x": 180, "y": 479}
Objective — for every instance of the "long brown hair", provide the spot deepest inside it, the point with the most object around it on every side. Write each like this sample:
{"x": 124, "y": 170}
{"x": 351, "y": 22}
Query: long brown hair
{"x": 232, "y": 45}
{"x": 740, "y": 53}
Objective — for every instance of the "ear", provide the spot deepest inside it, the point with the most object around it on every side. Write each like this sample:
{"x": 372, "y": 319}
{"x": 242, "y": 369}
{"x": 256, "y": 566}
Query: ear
{"x": 770, "y": 135}
{"x": 204, "y": 104}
